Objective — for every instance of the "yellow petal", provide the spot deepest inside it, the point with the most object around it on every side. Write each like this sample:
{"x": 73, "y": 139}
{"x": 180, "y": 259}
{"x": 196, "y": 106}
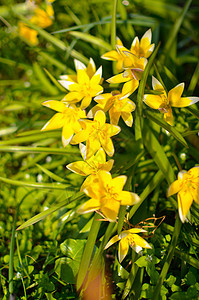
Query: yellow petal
{"x": 112, "y": 241}
{"x": 92, "y": 145}
{"x": 168, "y": 117}
{"x": 174, "y": 188}
{"x": 57, "y": 121}
{"x": 154, "y": 101}
{"x": 138, "y": 240}
{"x": 175, "y": 94}
{"x": 157, "y": 86}
{"x": 128, "y": 118}
{"x": 56, "y": 105}
{"x": 117, "y": 79}
{"x": 111, "y": 55}
{"x": 128, "y": 198}
{"x": 194, "y": 171}
{"x": 80, "y": 167}
{"x": 82, "y": 77}
{"x": 73, "y": 97}
{"x": 185, "y": 101}
{"x": 135, "y": 230}
{"x": 100, "y": 117}
{"x": 194, "y": 190}
{"x": 91, "y": 68}
{"x": 80, "y": 137}
{"x": 110, "y": 129}
{"x": 89, "y": 206}
{"x": 123, "y": 249}
{"x": 86, "y": 101}
{"x": 185, "y": 200}
{"x": 108, "y": 165}
{"x": 96, "y": 77}
{"x": 114, "y": 116}
{"x": 67, "y": 134}
{"x": 119, "y": 182}
{"x": 110, "y": 210}
{"x": 130, "y": 86}
{"x": 105, "y": 178}
{"x": 107, "y": 145}
{"x": 100, "y": 156}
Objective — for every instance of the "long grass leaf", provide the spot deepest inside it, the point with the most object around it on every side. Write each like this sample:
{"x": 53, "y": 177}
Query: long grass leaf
{"x": 41, "y": 216}
{"x": 50, "y": 174}
{"x": 165, "y": 125}
{"x": 91, "y": 39}
{"x": 46, "y": 150}
{"x": 36, "y": 185}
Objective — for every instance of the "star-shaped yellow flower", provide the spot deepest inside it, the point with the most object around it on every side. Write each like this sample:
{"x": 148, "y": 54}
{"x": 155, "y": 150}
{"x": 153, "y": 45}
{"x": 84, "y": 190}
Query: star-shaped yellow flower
{"x": 96, "y": 133}
{"x": 117, "y": 104}
{"x": 128, "y": 238}
{"x": 164, "y": 102}
{"x": 43, "y": 18}
{"x": 84, "y": 86}
{"x": 107, "y": 194}
{"x": 134, "y": 68}
{"x": 90, "y": 166}
{"x": 187, "y": 187}
{"x": 67, "y": 117}
{"x": 142, "y": 48}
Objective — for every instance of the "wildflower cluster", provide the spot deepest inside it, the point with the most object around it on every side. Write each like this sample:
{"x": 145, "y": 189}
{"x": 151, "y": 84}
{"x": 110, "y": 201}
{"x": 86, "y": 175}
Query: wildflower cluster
{"x": 85, "y": 124}
{"x": 40, "y": 14}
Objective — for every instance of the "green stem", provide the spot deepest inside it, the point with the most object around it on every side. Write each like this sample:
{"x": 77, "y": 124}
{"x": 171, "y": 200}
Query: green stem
{"x": 12, "y": 246}
{"x": 169, "y": 258}
{"x": 88, "y": 251}
{"x": 113, "y": 24}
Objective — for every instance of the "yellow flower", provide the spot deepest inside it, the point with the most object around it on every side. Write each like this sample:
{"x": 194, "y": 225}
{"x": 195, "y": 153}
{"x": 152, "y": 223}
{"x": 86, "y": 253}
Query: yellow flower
{"x": 107, "y": 195}
{"x": 91, "y": 166}
{"x": 128, "y": 238}
{"x": 84, "y": 86}
{"x": 117, "y": 104}
{"x": 134, "y": 68}
{"x": 43, "y": 18}
{"x": 144, "y": 48}
{"x": 96, "y": 133}
{"x": 67, "y": 117}
{"x": 187, "y": 187}
{"x": 27, "y": 33}
{"x": 164, "y": 102}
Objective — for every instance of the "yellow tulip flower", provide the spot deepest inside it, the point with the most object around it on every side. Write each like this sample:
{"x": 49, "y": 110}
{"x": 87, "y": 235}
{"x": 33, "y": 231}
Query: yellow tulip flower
{"x": 187, "y": 187}
{"x": 96, "y": 133}
{"x": 164, "y": 102}
{"x": 84, "y": 88}
{"x": 107, "y": 195}
{"x": 67, "y": 116}
{"x": 128, "y": 238}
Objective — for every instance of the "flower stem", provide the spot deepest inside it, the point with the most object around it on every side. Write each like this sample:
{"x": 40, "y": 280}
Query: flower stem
{"x": 113, "y": 24}
{"x": 88, "y": 251}
{"x": 167, "y": 263}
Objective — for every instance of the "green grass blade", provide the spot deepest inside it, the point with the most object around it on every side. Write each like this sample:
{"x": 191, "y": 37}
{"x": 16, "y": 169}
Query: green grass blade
{"x": 193, "y": 111}
{"x": 36, "y": 185}
{"x": 50, "y": 174}
{"x": 153, "y": 116}
{"x": 46, "y": 150}
{"x": 113, "y": 23}
{"x": 158, "y": 154}
{"x": 91, "y": 39}
{"x": 174, "y": 30}
{"x": 78, "y": 196}
{"x": 194, "y": 79}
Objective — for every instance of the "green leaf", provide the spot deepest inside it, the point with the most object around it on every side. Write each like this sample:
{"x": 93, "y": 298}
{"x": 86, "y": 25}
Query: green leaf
{"x": 193, "y": 111}
{"x": 67, "y": 267}
{"x": 50, "y": 174}
{"x": 41, "y": 216}
{"x": 46, "y": 150}
{"x": 157, "y": 152}
{"x": 91, "y": 39}
{"x": 155, "y": 118}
